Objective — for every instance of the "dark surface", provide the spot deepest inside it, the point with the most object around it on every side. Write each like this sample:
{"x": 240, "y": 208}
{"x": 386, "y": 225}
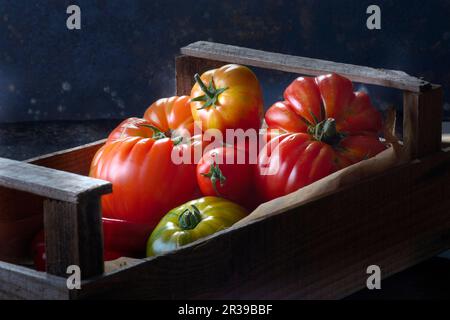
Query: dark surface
{"x": 25, "y": 140}
{"x": 123, "y": 57}
{"x": 428, "y": 280}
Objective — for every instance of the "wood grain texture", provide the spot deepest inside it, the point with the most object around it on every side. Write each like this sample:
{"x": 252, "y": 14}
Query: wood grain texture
{"x": 422, "y": 121}
{"x": 302, "y": 65}
{"x": 21, "y": 213}
{"x": 50, "y": 183}
{"x": 317, "y": 251}
{"x": 76, "y": 160}
{"x": 74, "y": 236}
{"x": 18, "y": 282}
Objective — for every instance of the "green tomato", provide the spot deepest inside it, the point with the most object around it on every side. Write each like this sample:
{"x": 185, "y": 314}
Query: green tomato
{"x": 191, "y": 221}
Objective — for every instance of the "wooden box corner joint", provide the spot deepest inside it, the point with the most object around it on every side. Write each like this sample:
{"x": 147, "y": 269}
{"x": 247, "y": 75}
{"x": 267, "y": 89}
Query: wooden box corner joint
{"x": 72, "y": 214}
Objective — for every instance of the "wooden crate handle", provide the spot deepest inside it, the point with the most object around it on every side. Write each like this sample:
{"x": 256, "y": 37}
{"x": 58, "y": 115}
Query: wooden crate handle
{"x": 422, "y": 100}
{"x": 72, "y": 214}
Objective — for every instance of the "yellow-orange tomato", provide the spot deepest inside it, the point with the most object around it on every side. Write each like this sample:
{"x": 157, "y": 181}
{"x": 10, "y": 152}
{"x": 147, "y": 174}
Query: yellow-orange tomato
{"x": 229, "y": 97}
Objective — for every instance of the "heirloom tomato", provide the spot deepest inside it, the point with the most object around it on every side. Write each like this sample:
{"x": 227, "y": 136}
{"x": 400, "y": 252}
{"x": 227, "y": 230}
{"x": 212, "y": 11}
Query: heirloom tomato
{"x": 229, "y": 97}
{"x": 325, "y": 127}
{"x": 191, "y": 221}
{"x": 143, "y": 159}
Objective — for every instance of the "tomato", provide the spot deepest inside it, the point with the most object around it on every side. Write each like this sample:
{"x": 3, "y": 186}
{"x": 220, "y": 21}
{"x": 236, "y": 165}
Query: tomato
{"x": 172, "y": 116}
{"x": 142, "y": 160}
{"x": 325, "y": 127}
{"x": 38, "y": 251}
{"x": 227, "y": 172}
{"x": 229, "y": 97}
{"x": 124, "y": 237}
{"x": 331, "y": 96}
{"x": 191, "y": 221}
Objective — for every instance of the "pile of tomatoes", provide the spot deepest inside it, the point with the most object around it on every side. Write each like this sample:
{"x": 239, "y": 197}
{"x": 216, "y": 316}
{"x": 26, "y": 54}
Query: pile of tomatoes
{"x": 160, "y": 201}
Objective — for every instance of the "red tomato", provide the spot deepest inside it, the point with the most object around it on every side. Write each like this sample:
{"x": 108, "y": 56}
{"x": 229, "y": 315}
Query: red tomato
{"x": 326, "y": 127}
{"x": 142, "y": 159}
{"x": 38, "y": 251}
{"x": 228, "y": 173}
{"x": 124, "y": 237}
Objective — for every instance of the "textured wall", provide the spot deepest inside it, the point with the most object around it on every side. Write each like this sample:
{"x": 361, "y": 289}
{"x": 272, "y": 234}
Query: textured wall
{"x": 122, "y": 59}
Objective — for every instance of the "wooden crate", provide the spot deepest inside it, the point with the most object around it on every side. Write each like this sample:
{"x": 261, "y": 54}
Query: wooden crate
{"x": 320, "y": 249}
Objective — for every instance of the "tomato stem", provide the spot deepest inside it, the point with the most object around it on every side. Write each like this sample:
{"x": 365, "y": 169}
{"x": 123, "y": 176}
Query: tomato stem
{"x": 215, "y": 174}
{"x": 326, "y": 131}
{"x": 158, "y": 134}
{"x": 190, "y": 218}
{"x": 211, "y": 96}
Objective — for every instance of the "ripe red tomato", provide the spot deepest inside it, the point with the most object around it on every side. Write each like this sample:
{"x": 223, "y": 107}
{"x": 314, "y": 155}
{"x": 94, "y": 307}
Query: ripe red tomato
{"x": 124, "y": 237}
{"x": 38, "y": 251}
{"x": 325, "y": 127}
{"x": 138, "y": 159}
{"x": 227, "y": 172}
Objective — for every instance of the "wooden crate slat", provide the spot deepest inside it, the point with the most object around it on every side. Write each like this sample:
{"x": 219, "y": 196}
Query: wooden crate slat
{"x": 22, "y": 211}
{"x": 45, "y": 182}
{"x": 18, "y": 282}
{"x": 76, "y": 236}
{"x": 301, "y": 65}
{"x": 422, "y": 121}
{"x": 76, "y": 160}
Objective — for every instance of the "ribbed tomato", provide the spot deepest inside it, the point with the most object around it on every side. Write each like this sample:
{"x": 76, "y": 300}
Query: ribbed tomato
{"x": 138, "y": 159}
{"x": 325, "y": 127}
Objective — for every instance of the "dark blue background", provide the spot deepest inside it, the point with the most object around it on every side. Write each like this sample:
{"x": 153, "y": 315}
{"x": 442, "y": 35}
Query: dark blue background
{"x": 123, "y": 57}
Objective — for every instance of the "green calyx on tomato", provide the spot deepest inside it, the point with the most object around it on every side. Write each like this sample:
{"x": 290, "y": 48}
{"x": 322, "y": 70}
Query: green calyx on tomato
{"x": 211, "y": 93}
{"x": 191, "y": 221}
{"x": 215, "y": 174}
{"x": 158, "y": 134}
{"x": 190, "y": 218}
{"x": 326, "y": 132}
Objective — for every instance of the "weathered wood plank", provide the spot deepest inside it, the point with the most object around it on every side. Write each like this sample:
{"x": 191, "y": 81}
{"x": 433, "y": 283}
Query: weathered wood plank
{"x": 45, "y": 182}
{"x": 318, "y": 250}
{"x": 302, "y": 65}
{"x": 18, "y": 282}
{"x": 74, "y": 236}
{"x": 21, "y": 212}
{"x": 422, "y": 121}
{"x": 76, "y": 160}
